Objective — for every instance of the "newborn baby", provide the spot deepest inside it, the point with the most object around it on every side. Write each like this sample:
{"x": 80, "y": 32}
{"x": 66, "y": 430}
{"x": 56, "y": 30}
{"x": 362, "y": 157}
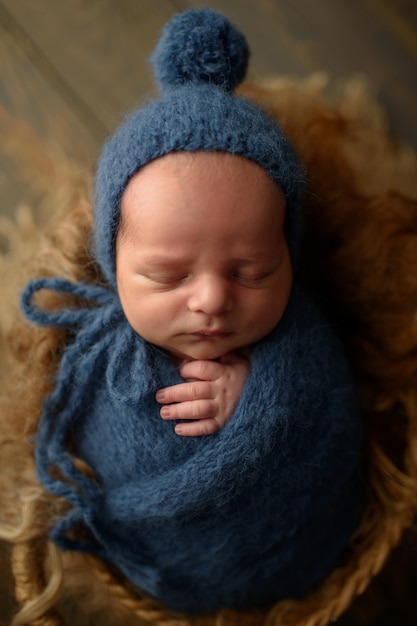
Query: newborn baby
{"x": 203, "y": 388}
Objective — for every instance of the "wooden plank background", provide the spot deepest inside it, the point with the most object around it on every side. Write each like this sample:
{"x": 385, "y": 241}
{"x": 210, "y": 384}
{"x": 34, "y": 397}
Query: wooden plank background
{"x": 70, "y": 69}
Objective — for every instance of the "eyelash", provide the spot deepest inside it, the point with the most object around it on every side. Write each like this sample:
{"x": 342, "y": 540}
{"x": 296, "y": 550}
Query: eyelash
{"x": 176, "y": 280}
{"x": 255, "y": 277}
{"x": 168, "y": 280}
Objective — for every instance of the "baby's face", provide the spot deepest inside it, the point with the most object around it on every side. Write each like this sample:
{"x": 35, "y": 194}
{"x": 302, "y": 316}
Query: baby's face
{"x": 203, "y": 267}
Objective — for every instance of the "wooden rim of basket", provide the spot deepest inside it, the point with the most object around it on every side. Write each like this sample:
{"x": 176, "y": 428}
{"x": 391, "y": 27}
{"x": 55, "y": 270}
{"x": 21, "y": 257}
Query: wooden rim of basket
{"x": 390, "y": 508}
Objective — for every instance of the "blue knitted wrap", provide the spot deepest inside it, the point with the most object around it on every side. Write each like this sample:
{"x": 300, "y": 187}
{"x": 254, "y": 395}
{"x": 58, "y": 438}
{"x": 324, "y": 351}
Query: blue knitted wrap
{"x": 259, "y": 511}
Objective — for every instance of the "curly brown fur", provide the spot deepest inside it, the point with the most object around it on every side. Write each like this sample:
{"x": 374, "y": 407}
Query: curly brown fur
{"x": 359, "y": 259}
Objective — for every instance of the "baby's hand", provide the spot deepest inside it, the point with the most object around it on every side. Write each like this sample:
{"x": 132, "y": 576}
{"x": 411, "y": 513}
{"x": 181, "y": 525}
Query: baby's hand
{"x": 210, "y": 398}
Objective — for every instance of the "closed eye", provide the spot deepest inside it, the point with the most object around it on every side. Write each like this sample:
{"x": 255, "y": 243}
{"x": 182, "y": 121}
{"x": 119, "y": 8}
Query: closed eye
{"x": 251, "y": 279}
{"x": 167, "y": 280}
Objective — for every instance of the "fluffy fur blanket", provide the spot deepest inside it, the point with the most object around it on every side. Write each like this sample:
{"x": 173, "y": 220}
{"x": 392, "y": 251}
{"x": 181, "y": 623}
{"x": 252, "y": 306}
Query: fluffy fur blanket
{"x": 361, "y": 248}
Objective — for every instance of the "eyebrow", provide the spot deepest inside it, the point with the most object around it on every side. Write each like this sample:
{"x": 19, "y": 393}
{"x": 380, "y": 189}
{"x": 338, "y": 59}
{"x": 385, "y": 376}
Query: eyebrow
{"x": 162, "y": 259}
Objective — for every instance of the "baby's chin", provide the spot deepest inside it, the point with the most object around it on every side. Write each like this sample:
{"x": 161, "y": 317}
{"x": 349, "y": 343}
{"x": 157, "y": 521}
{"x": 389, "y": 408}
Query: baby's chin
{"x": 204, "y": 352}
{"x": 198, "y": 355}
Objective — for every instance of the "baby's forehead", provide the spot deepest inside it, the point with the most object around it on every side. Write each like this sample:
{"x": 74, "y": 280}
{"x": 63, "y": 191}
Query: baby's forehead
{"x": 202, "y": 165}
{"x": 202, "y": 195}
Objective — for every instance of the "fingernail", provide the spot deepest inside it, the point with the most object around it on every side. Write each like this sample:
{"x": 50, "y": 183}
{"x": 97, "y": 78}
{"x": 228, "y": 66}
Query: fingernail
{"x": 159, "y": 395}
{"x": 164, "y": 412}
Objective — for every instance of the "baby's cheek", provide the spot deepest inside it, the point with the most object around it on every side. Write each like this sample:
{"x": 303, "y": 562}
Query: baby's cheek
{"x": 156, "y": 319}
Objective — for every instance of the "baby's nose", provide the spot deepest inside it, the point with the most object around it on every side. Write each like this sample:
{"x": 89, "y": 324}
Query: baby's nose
{"x": 211, "y": 295}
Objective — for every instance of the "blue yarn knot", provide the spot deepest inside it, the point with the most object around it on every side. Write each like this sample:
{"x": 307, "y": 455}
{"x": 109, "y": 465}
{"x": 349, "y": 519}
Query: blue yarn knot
{"x": 66, "y": 317}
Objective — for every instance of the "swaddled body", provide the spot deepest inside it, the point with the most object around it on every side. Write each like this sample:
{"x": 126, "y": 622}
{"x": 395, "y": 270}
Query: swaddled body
{"x": 259, "y": 511}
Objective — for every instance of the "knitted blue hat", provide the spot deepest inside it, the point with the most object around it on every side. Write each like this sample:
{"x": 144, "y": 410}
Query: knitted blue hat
{"x": 200, "y": 58}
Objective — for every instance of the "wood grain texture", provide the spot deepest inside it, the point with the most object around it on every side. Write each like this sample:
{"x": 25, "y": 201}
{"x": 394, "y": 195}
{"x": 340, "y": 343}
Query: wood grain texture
{"x": 70, "y": 71}
{"x": 97, "y": 51}
{"x": 30, "y": 95}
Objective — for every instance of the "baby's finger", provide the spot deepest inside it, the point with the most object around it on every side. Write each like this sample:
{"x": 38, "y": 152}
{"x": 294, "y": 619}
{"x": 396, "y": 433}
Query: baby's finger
{"x": 202, "y": 370}
{"x": 198, "y": 429}
{"x": 184, "y": 392}
{"x": 196, "y": 409}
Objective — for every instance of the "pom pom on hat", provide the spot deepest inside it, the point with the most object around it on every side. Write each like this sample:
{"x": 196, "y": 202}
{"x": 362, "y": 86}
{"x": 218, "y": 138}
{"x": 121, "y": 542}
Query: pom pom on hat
{"x": 200, "y": 58}
{"x": 200, "y": 47}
